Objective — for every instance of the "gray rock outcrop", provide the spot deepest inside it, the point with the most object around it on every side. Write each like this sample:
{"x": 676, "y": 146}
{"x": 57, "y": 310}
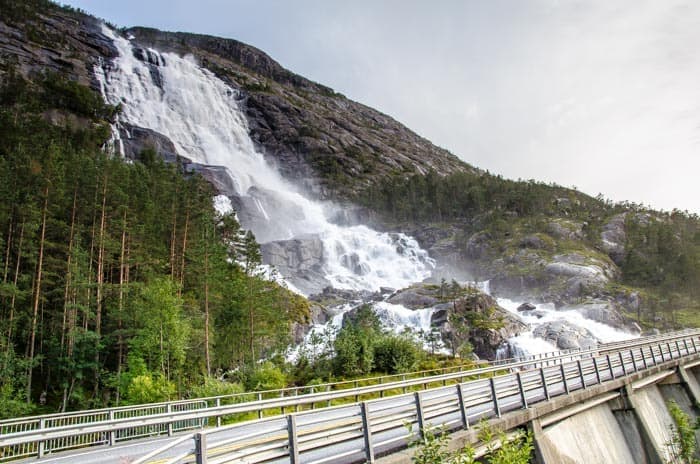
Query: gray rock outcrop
{"x": 566, "y": 336}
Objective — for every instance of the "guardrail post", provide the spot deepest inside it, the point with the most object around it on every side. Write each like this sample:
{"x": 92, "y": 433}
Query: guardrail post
{"x": 328, "y": 389}
{"x": 41, "y": 446}
{"x": 695, "y": 347}
{"x": 634, "y": 361}
{"x": 200, "y": 448}
{"x": 494, "y": 396}
{"x": 419, "y": 414}
{"x": 661, "y": 350}
{"x": 112, "y": 433}
{"x": 653, "y": 355}
{"x": 218, "y": 418}
{"x": 685, "y": 345}
{"x": 622, "y": 362}
{"x": 260, "y": 411}
{"x": 563, "y": 378}
{"x": 282, "y": 396}
{"x": 580, "y": 374}
{"x": 644, "y": 358}
{"x": 169, "y": 409}
{"x": 523, "y": 399}
{"x": 293, "y": 441}
{"x": 597, "y": 371}
{"x": 462, "y": 407}
{"x": 367, "y": 433}
{"x": 678, "y": 348}
{"x": 610, "y": 367}
{"x": 670, "y": 352}
{"x": 544, "y": 383}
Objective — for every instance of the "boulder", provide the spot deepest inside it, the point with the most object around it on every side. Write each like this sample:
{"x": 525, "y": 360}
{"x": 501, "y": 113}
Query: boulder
{"x": 604, "y": 312}
{"x": 416, "y": 297}
{"x": 566, "y": 336}
{"x": 526, "y": 307}
{"x": 299, "y": 260}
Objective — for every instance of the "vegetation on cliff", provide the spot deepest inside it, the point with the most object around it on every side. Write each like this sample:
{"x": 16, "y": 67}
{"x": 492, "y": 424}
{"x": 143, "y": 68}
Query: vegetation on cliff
{"x": 659, "y": 254}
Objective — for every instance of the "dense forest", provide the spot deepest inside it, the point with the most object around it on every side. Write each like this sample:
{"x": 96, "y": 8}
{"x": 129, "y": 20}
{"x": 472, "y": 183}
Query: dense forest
{"x": 116, "y": 276}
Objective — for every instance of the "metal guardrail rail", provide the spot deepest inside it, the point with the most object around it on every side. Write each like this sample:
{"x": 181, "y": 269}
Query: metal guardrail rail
{"x": 43, "y": 423}
{"x": 118, "y": 424}
{"x": 358, "y": 432}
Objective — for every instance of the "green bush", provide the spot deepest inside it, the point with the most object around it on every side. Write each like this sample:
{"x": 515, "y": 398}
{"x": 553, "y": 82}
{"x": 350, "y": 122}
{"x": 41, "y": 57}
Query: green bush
{"x": 265, "y": 376}
{"x": 215, "y": 387}
{"x": 395, "y": 354}
{"x": 148, "y": 388}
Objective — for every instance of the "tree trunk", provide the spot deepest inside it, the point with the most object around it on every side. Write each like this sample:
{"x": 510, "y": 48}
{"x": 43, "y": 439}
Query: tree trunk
{"x": 11, "y": 321}
{"x": 207, "y": 355}
{"x": 100, "y": 283}
{"x": 66, "y": 292}
{"x": 184, "y": 248}
{"x": 122, "y": 282}
{"x": 37, "y": 294}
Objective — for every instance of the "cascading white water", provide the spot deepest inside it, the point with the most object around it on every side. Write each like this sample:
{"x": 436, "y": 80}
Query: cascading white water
{"x": 527, "y": 343}
{"x": 200, "y": 114}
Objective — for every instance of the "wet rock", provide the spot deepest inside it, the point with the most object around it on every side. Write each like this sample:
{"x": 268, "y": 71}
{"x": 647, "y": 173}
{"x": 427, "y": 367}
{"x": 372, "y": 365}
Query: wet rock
{"x": 566, "y": 336}
{"x": 299, "y": 260}
{"x": 415, "y": 297}
{"x": 604, "y": 312}
{"x": 526, "y": 307}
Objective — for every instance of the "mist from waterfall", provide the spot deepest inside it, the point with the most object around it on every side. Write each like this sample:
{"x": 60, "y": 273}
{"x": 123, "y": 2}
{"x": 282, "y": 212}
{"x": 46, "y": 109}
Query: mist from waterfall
{"x": 201, "y": 115}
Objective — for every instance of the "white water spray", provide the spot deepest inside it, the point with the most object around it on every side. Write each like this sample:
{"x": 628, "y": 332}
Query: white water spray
{"x": 200, "y": 114}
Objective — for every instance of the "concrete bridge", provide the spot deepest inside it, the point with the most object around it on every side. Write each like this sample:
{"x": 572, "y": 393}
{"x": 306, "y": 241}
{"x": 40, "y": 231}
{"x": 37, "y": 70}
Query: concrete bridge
{"x": 605, "y": 405}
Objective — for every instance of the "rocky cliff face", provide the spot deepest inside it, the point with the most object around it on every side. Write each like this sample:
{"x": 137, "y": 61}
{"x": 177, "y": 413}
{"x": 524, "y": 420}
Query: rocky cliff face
{"x": 332, "y": 146}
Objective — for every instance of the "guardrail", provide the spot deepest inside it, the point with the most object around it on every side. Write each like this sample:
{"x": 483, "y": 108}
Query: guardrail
{"x": 46, "y": 422}
{"x": 358, "y": 432}
{"x": 72, "y": 431}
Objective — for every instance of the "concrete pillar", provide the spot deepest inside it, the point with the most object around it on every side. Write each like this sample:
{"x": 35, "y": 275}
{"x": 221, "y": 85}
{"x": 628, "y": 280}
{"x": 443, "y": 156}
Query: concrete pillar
{"x": 690, "y": 383}
{"x": 653, "y": 454}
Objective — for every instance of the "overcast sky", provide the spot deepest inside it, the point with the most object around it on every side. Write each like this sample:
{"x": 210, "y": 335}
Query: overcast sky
{"x": 602, "y": 95}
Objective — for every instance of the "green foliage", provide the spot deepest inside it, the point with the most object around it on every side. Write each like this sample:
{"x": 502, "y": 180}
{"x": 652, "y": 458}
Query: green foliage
{"x": 215, "y": 387}
{"x": 162, "y": 330}
{"x": 395, "y": 354}
{"x": 354, "y": 345}
{"x": 682, "y": 445}
{"x": 149, "y": 388}
{"x": 265, "y": 376}
{"x": 432, "y": 448}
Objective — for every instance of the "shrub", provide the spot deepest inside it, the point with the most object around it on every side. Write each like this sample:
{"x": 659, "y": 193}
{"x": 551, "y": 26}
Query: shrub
{"x": 215, "y": 387}
{"x": 395, "y": 354}
{"x": 265, "y": 376}
{"x": 148, "y": 388}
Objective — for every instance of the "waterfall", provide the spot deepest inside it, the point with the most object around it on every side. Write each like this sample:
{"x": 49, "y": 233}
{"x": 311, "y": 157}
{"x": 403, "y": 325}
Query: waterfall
{"x": 201, "y": 115}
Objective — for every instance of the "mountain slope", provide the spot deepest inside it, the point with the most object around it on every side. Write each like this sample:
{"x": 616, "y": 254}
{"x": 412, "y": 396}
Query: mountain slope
{"x": 538, "y": 241}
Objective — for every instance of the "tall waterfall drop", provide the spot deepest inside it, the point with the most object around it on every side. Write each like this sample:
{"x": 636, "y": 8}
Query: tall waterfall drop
{"x": 200, "y": 114}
